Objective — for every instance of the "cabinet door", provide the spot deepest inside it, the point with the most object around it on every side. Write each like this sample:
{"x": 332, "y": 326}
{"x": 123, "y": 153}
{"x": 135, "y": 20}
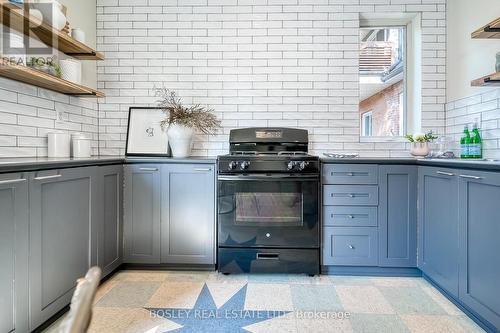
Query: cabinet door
{"x": 346, "y": 246}
{"x": 142, "y": 214}
{"x": 13, "y": 253}
{"x": 61, "y": 245}
{"x": 398, "y": 216}
{"x": 438, "y": 226}
{"x": 188, "y": 214}
{"x": 479, "y": 199}
{"x": 110, "y": 226}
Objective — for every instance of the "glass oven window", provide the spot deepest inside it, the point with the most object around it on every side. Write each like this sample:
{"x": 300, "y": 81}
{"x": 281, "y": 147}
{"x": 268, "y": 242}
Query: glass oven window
{"x": 269, "y": 208}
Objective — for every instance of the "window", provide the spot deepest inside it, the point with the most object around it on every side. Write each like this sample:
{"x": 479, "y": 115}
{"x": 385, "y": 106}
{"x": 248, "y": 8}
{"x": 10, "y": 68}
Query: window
{"x": 382, "y": 68}
{"x": 366, "y": 124}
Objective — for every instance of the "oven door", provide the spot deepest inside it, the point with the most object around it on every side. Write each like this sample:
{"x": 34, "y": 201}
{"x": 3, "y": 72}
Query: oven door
{"x": 268, "y": 211}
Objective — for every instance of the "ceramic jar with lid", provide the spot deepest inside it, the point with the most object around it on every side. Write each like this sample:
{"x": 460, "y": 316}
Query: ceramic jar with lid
{"x": 58, "y": 144}
{"x": 81, "y": 145}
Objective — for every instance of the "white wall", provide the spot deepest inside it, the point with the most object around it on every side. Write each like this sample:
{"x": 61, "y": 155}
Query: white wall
{"x": 82, "y": 14}
{"x": 469, "y": 59}
{"x": 257, "y": 63}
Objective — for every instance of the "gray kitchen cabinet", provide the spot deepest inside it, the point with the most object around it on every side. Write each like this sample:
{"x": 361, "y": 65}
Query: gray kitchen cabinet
{"x": 350, "y": 195}
{"x": 479, "y": 200}
{"x": 188, "y": 214}
{"x": 397, "y": 216}
{"x": 350, "y": 246}
{"x": 110, "y": 229}
{"x": 14, "y": 253}
{"x": 438, "y": 226}
{"x": 62, "y": 237}
{"x": 349, "y": 174}
{"x": 142, "y": 214}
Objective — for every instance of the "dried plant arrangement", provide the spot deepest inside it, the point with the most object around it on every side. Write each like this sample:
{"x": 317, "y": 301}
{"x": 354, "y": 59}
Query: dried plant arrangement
{"x": 196, "y": 116}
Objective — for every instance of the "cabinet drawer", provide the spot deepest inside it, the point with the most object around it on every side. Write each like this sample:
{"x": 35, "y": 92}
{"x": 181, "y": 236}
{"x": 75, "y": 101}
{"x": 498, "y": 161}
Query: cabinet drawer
{"x": 350, "y": 174}
{"x": 349, "y": 216}
{"x": 350, "y": 246}
{"x": 350, "y": 195}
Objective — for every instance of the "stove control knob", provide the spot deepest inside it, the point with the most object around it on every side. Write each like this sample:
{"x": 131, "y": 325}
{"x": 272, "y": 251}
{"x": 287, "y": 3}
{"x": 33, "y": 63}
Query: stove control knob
{"x": 303, "y": 165}
{"x": 232, "y": 165}
{"x": 244, "y": 165}
{"x": 290, "y": 166}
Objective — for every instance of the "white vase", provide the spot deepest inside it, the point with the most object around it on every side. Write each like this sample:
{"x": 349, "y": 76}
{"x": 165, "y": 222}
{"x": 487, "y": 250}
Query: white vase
{"x": 180, "y": 138}
{"x": 71, "y": 70}
{"x": 420, "y": 149}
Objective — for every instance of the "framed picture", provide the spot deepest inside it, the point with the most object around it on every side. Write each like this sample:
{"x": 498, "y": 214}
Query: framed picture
{"x": 145, "y": 136}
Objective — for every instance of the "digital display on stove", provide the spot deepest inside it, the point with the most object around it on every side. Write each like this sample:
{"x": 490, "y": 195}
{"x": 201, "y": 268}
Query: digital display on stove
{"x": 268, "y": 134}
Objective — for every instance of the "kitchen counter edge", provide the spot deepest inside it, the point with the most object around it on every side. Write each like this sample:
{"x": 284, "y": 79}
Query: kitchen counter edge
{"x": 12, "y": 165}
{"x": 445, "y": 163}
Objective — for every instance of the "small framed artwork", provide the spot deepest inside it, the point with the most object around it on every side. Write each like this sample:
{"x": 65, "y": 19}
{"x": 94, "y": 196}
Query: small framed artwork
{"x": 145, "y": 136}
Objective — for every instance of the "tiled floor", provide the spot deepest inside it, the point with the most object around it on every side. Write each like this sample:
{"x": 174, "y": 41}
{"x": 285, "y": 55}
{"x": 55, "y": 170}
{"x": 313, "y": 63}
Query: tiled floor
{"x": 140, "y": 301}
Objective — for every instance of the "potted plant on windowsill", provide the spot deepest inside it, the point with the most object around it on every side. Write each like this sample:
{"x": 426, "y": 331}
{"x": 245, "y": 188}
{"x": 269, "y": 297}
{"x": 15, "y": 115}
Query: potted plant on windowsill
{"x": 420, "y": 143}
{"x": 182, "y": 122}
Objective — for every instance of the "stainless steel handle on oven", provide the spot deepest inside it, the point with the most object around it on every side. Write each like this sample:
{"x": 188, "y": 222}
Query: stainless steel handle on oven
{"x": 445, "y": 173}
{"x": 471, "y": 177}
{"x": 268, "y": 256}
{"x": 149, "y": 169}
{"x": 12, "y": 181}
{"x": 203, "y": 169}
{"x": 270, "y": 177}
{"x": 48, "y": 177}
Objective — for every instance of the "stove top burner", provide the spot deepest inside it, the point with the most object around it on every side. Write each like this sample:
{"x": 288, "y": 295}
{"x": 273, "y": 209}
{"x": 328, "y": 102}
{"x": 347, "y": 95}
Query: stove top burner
{"x": 268, "y": 150}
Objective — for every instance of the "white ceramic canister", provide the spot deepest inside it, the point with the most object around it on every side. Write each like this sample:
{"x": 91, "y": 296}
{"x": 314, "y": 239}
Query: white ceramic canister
{"x": 71, "y": 70}
{"x": 81, "y": 145}
{"x": 59, "y": 144}
{"x": 78, "y": 34}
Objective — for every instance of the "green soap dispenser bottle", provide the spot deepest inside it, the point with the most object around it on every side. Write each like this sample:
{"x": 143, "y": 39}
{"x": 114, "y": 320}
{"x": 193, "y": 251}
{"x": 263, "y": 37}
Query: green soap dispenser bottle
{"x": 465, "y": 143}
{"x": 476, "y": 143}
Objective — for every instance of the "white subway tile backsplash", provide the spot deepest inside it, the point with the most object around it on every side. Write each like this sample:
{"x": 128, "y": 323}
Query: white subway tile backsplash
{"x": 483, "y": 108}
{"x": 257, "y": 63}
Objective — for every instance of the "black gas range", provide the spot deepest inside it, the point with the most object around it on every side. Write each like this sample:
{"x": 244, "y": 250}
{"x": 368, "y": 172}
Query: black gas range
{"x": 268, "y": 203}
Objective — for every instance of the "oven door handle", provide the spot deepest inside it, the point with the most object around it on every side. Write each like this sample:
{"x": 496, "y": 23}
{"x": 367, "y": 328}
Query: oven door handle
{"x": 271, "y": 178}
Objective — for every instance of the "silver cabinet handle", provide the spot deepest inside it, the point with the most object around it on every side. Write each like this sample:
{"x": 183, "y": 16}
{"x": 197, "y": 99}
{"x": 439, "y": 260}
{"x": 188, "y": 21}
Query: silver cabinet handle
{"x": 445, "y": 173}
{"x": 149, "y": 169}
{"x": 350, "y": 174}
{"x": 352, "y": 195}
{"x": 12, "y": 181}
{"x": 351, "y": 247}
{"x": 48, "y": 177}
{"x": 350, "y": 216}
{"x": 268, "y": 256}
{"x": 203, "y": 169}
{"x": 471, "y": 177}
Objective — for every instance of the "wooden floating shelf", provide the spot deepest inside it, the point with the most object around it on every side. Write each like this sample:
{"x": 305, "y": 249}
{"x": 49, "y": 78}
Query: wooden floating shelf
{"x": 489, "y": 80}
{"x": 489, "y": 31}
{"x": 16, "y": 18}
{"x": 43, "y": 80}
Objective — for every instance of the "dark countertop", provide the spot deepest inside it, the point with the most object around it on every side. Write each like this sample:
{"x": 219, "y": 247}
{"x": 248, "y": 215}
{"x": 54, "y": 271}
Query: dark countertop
{"x": 44, "y": 163}
{"x": 491, "y": 165}
{"x": 369, "y": 160}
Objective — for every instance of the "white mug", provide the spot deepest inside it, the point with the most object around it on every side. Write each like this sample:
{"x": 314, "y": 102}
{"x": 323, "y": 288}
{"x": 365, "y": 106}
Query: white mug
{"x": 78, "y": 34}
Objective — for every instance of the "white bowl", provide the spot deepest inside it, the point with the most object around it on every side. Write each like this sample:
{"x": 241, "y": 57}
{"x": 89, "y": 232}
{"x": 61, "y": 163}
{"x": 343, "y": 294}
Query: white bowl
{"x": 50, "y": 12}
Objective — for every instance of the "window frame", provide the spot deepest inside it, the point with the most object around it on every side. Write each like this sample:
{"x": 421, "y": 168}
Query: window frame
{"x": 364, "y": 117}
{"x": 407, "y": 29}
